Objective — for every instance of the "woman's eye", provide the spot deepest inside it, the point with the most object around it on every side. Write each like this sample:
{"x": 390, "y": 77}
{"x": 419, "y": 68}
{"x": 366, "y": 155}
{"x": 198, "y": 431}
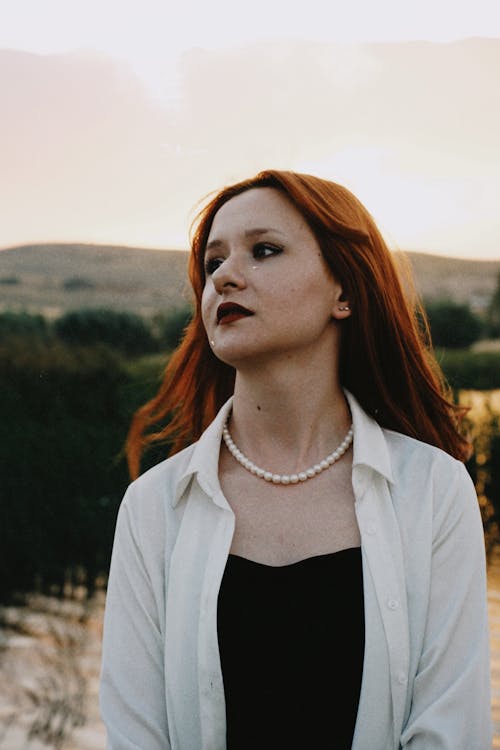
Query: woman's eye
{"x": 264, "y": 249}
{"x": 259, "y": 251}
{"x": 212, "y": 264}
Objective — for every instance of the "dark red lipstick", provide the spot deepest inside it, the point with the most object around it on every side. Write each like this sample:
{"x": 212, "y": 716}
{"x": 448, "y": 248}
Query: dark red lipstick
{"x": 227, "y": 312}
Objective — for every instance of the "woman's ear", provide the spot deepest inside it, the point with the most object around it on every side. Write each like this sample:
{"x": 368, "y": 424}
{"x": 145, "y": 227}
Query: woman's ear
{"x": 341, "y": 310}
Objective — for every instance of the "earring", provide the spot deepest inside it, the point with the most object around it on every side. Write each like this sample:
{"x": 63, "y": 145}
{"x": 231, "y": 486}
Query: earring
{"x": 344, "y": 308}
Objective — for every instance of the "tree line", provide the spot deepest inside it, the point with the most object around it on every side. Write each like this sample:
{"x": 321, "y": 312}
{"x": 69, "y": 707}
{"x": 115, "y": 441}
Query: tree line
{"x": 126, "y": 332}
{"x": 453, "y": 325}
{"x": 69, "y": 388}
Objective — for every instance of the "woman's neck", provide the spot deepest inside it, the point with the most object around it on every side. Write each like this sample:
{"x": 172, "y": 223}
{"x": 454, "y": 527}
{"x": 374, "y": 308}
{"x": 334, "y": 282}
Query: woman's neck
{"x": 288, "y": 419}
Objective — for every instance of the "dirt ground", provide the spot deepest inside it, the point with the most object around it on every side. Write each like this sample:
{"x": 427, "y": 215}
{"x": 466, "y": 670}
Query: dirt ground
{"x": 50, "y": 656}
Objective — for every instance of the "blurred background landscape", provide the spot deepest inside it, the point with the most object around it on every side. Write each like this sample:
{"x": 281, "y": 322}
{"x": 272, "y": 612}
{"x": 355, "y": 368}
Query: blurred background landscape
{"x": 85, "y": 332}
{"x": 116, "y": 118}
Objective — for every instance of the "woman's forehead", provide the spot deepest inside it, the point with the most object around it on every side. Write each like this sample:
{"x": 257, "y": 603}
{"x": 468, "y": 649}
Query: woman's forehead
{"x": 256, "y": 209}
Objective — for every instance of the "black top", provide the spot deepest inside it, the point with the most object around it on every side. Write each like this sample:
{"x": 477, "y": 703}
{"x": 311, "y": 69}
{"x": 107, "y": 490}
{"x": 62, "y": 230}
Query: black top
{"x": 291, "y": 642}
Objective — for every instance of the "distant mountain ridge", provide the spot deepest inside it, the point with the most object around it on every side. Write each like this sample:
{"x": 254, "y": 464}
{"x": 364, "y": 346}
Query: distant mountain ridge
{"x": 53, "y": 278}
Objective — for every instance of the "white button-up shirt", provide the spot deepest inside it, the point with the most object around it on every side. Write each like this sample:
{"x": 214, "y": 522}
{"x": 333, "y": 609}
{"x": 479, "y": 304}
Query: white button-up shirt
{"x": 425, "y": 683}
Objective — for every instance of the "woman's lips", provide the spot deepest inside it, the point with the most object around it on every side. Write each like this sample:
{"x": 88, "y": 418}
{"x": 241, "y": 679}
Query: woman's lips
{"x": 228, "y": 312}
{"x": 231, "y": 318}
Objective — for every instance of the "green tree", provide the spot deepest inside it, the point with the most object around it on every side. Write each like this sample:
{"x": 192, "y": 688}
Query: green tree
{"x": 452, "y": 324}
{"x": 492, "y": 485}
{"x": 23, "y": 324}
{"x": 493, "y": 315}
{"x": 62, "y": 428}
{"x": 169, "y": 326}
{"x": 124, "y": 331}
{"x": 469, "y": 370}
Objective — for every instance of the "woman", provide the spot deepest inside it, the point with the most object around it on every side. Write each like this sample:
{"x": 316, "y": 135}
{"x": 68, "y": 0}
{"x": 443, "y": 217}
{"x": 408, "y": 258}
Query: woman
{"x": 310, "y": 572}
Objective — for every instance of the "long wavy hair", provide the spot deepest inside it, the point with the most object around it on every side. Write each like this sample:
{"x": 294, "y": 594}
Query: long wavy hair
{"x": 386, "y": 358}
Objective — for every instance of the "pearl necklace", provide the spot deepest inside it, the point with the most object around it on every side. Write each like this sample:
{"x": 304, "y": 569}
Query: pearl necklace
{"x": 301, "y": 476}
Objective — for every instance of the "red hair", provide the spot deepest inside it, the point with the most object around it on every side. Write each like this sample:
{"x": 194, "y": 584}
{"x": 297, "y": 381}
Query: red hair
{"x": 385, "y": 357}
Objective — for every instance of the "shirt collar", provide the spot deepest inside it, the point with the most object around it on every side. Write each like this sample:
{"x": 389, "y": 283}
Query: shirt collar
{"x": 204, "y": 461}
{"x": 369, "y": 449}
{"x": 369, "y": 444}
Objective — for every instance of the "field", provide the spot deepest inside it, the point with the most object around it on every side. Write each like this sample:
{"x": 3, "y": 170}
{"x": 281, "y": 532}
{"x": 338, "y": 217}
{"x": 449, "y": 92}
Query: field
{"x": 55, "y": 278}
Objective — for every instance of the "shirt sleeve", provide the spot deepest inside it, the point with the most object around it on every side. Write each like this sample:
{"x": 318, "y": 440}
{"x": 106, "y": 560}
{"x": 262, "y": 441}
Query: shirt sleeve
{"x": 132, "y": 690}
{"x": 451, "y": 692}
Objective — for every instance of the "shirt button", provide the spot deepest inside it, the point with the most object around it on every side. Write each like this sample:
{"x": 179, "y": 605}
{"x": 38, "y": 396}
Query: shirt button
{"x": 371, "y": 528}
{"x": 393, "y": 603}
{"x": 402, "y": 678}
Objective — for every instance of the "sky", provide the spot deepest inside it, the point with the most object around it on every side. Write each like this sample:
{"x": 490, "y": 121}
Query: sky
{"x": 117, "y": 116}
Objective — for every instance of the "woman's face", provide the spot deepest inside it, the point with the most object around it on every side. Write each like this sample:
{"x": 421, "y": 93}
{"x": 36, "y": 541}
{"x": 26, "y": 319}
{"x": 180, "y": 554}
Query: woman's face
{"x": 268, "y": 291}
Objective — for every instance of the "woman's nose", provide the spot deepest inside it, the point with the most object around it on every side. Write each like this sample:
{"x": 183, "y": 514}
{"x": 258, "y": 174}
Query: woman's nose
{"x": 229, "y": 275}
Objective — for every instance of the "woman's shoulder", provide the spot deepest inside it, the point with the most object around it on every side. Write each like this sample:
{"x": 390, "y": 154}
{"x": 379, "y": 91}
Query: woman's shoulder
{"x": 167, "y": 471}
{"x": 405, "y": 449}
{"x": 156, "y": 489}
{"x": 148, "y": 513}
{"x": 404, "y": 460}
{"x": 426, "y": 473}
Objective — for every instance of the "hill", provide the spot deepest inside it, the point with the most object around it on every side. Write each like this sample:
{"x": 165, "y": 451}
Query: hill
{"x": 469, "y": 281}
{"x": 59, "y": 277}
{"x": 55, "y": 278}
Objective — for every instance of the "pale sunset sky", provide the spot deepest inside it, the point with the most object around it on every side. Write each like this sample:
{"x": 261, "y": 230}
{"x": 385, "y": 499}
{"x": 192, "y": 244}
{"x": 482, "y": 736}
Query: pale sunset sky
{"x": 117, "y": 116}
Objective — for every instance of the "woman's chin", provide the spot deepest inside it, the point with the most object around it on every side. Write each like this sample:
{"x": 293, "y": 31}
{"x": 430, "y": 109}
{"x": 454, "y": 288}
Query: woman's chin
{"x": 234, "y": 356}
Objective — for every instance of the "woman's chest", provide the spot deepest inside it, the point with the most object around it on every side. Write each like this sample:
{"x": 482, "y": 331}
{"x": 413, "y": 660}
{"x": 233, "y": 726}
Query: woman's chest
{"x": 278, "y": 525}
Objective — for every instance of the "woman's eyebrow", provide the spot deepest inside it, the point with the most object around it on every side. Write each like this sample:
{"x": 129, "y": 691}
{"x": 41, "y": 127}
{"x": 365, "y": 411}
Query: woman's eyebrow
{"x": 213, "y": 243}
{"x": 248, "y": 233}
{"x": 261, "y": 230}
